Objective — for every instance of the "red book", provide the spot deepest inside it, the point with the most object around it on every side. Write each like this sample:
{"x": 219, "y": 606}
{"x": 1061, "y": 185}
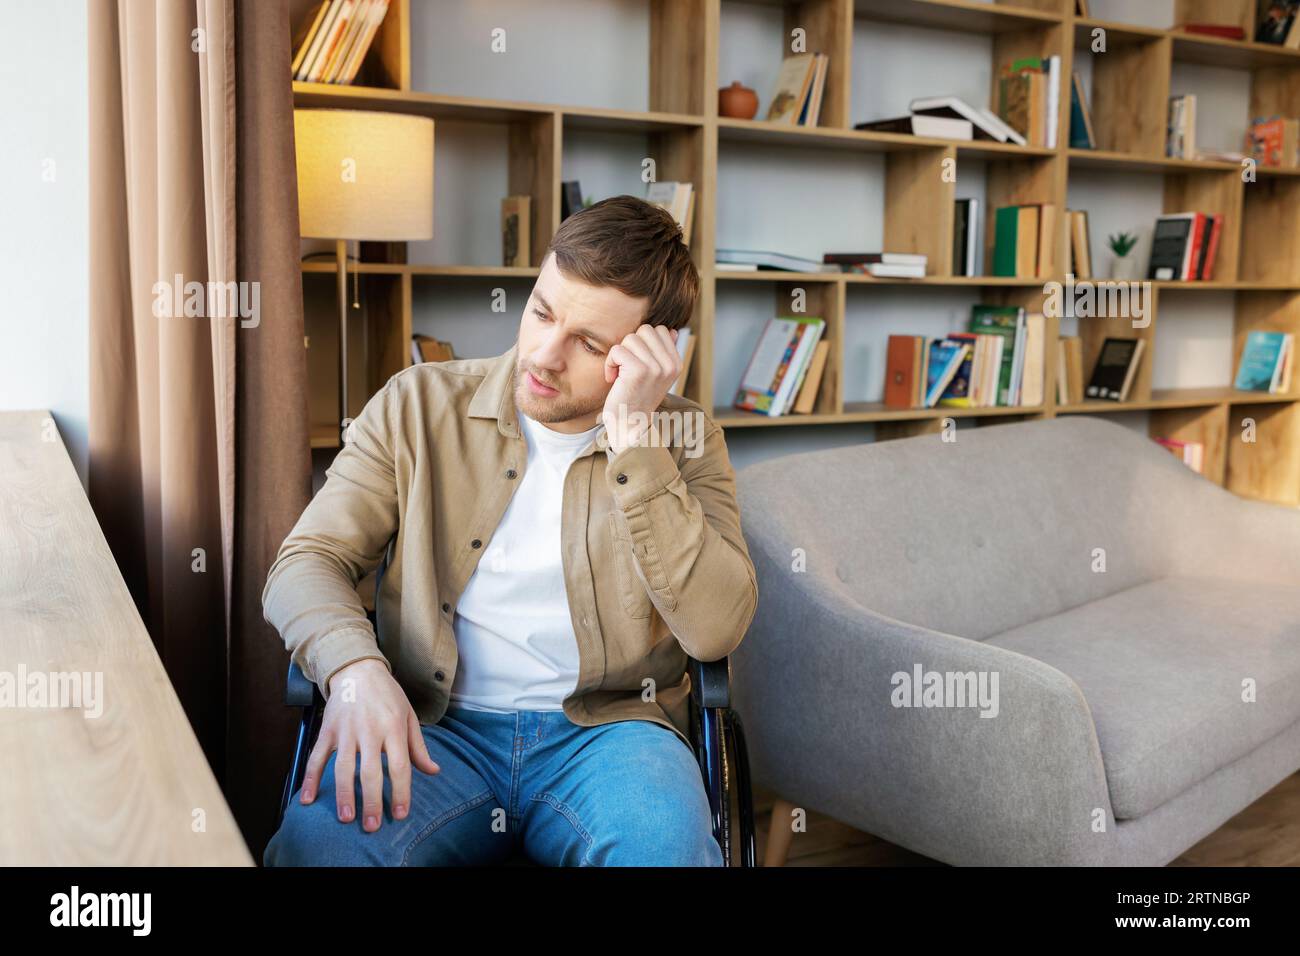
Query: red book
{"x": 1207, "y": 271}
{"x": 1194, "y": 239}
{"x": 1215, "y": 30}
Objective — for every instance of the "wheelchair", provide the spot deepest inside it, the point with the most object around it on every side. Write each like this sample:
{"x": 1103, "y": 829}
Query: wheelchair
{"x": 716, "y": 732}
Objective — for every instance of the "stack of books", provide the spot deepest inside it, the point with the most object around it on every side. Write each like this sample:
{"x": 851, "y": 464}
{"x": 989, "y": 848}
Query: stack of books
{"x": 786, "y": 367}
{"x": 916, "y": 124}
{"x": 751, "y": 260}
{"x": 1184, "y": 246}
{"x": 883, "y": 265}
{"x": 1029, "y": 98}
{"x": 998, "y": 362}
{"x": 1024, "y": 243}
{"x": 425, "y": 348}
{"x": 679, "y": 200}
{"x": 985, "y": 124}
{"x": 797, "y": 99}
{"x": 337, "y": 37}
{"x": 1190, "y": 453}
{"x": 1266, "y": 362}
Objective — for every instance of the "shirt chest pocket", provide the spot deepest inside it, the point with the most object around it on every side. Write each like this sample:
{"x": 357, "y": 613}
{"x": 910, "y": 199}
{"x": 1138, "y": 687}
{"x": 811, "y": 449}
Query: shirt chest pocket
{"x": 632, "y": 592}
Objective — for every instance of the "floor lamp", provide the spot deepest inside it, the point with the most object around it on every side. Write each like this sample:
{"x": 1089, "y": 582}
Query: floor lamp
{"x": 363, "y": 176}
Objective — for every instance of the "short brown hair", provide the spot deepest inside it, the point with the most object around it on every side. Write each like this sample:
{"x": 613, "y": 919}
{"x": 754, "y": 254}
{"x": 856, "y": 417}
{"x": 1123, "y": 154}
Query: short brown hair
{"x": 628, "y": 244}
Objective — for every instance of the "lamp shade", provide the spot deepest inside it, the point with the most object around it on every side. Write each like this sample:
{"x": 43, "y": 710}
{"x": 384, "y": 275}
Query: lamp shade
{"x": 364, "y": 175}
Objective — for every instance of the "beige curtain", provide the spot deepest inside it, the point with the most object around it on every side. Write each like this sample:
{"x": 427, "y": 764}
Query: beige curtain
{"x": 199, "y": 453}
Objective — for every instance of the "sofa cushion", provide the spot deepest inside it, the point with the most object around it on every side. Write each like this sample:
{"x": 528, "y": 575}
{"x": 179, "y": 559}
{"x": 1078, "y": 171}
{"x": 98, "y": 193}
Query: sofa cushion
{"x": 1163, "y": 667}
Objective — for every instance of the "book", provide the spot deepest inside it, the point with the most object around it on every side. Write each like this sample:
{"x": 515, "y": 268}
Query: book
{"x": 1081, "y": 131}
{"x": 1224, "y": 31}
{"x": 867, "y": 258}
{"x": 307, "y": 34}
{"x": 937, "y": 127}
{"x": 570, "y": 198}
{"x": 1180, "y": 130}
{"x": 1015, "y": 241}
{"x": 1069, "y": 372}
{"x": 903, "y": 375}
{"x": 1207, "y": 263}
{"x": 1274, "y": 21}
{"x": 1080, "y": 243}
{"x": 958, "y": 393}
{"x": 803, "y": 405}
{"x": 1264, "y": 362}
{"x": 1033, "y": 371}
{"x": 1171, "y": 246}
{"x": 319, "y": 41}
{"x": 946, "y": 358}
{"x": 425, "y": 348}
{"x": 1116, "y": 368}
{"x": 1190, "y": 453}
{"x": 685, "y": 349}
{"x": 516, "y": 230}
{"x": 1007, "y": 323}
{"x": 966, "y": 238}
{"x": 812, "y": 105}
{"x": 1047, "y": 232}
{"x": 772, "y": 260}
{"x": 1273, "y": 141}
{"x": 985, "y": 123}
{"x": 777, "y": 360}
{"x": 884, "y": 270}
{"x": 678, "y": 199}
{"x": 794, "y": 86}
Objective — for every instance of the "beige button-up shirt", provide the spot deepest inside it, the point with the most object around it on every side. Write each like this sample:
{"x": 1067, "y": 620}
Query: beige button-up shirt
{"x": 655, "y": 565}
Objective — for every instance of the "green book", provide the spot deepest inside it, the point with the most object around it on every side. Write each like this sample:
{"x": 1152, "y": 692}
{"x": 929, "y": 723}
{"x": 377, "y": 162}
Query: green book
{"x": 1005, "y": 224}
{"x": 1003, "y": 320}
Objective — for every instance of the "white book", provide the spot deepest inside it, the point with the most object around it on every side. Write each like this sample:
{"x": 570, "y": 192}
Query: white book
{"x": 982, "y": 119}
{"x": 775, "y": 260}
{"x": 885, "y": 270}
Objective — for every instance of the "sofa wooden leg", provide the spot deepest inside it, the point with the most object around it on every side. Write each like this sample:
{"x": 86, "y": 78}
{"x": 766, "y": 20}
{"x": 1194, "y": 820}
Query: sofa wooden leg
{"x": 780, "y": 833}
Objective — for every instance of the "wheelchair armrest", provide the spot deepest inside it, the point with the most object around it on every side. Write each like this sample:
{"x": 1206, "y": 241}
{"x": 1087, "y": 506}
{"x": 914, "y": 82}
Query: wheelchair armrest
{"x": 711, "y": 682}
{"x": 299, "y": 691}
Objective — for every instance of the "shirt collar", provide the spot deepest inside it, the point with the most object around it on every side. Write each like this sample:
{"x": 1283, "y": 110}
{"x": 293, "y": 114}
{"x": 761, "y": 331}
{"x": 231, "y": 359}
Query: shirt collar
{"x": 493, "y": 398}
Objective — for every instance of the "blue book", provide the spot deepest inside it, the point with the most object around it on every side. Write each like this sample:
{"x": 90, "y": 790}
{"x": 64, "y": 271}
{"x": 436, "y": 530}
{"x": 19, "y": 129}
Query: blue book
{"x": 1261, "y": 362}
{"x": 946, "y": 357}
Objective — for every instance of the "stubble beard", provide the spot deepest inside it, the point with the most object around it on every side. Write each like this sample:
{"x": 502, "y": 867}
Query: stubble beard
{"x": 558, "y": 408}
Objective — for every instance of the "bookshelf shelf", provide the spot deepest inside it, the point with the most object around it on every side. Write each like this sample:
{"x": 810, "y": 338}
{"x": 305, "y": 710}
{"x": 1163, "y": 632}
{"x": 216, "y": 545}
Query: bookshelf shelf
{"x": 1258, "y": 261}
{"x": 823, "y": 137}
{"x": 477, "y": 109}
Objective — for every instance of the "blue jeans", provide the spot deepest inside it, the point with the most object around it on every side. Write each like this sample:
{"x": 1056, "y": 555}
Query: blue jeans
{"x": 627, "y": 793}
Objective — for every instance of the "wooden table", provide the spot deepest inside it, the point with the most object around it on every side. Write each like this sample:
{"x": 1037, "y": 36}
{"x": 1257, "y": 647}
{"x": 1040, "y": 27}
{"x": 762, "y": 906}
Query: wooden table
{"x": 125, "y": 787}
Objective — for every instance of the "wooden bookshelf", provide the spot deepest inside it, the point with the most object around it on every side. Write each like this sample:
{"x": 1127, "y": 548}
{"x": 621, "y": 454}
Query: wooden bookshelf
{"x": 1258, "y": 260}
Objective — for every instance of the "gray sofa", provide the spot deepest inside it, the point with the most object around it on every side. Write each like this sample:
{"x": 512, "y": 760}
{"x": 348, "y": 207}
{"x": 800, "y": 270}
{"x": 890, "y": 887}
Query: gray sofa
{"x": 1123, "y": 732}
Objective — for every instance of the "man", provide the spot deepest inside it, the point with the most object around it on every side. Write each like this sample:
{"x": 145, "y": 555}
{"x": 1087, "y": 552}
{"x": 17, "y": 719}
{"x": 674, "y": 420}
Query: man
{"x": 554, "y": 560}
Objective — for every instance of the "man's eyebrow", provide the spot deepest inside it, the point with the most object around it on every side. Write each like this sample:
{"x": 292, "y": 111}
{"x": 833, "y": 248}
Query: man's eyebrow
{"x": 584, "y": 332}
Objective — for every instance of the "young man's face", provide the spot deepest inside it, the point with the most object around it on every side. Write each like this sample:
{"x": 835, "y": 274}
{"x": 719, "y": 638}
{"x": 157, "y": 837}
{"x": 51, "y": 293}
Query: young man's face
{"x": 565, "y": 335}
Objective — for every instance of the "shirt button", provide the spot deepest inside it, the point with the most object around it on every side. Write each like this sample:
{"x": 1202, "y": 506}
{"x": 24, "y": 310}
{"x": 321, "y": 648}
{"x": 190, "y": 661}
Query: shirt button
{"x": 511, "y": 473}
{"x": 439, "y": 676}
{"x": 476, "y": 543}
{"x": 622, "y": 479}
{"x": 446, "y": 606}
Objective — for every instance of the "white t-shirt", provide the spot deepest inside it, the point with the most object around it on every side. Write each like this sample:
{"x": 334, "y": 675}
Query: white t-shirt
{"x": 514, "y": 634}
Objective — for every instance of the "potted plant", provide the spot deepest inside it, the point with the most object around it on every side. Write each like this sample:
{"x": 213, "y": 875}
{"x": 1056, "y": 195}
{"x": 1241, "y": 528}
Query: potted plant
{"x": 1123, "y": 266}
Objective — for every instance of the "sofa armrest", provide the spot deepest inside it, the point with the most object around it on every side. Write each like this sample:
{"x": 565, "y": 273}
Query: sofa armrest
{"x": 815, "y": 680}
